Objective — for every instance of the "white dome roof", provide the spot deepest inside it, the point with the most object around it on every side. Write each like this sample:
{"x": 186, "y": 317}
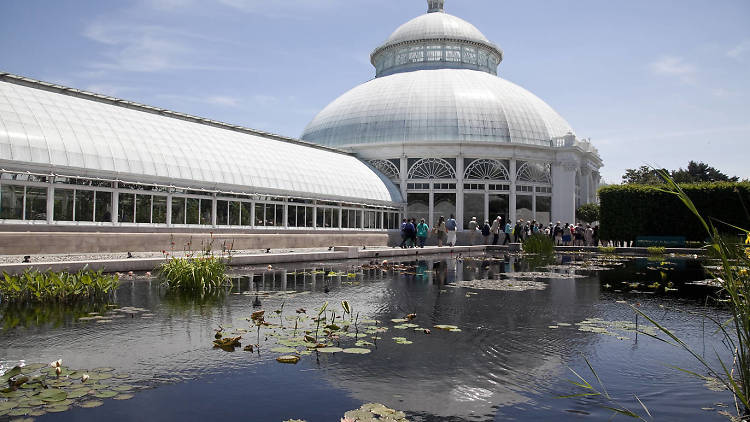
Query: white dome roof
{"x": 440, "y": 105}
{"x": 436, "y": 26}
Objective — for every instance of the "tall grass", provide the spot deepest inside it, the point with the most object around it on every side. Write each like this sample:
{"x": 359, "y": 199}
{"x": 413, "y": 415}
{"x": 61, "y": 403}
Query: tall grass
{"x": 734, "y": 280}
{"x": 195, "y": 274}
{"x": 539, "y": 244}
{"x": 43, "y": 287}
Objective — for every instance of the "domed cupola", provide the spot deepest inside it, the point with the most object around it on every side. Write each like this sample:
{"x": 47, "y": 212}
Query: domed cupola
{"x": 436, "y": 40}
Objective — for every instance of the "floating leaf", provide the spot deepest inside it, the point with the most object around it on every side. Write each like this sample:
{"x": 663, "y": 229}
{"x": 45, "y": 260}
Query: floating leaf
{"x": 330, "y": 350}
{"x": 91, "y": 404}
{"x": 53, "y": 395}
{"x": 21, "y": 411}
{"x": 288, "y": 359}
{"x": 399, "y": 320}
{"x": 7, "y": 405}
{"x": 446, "y": 327}
{"x": 123, "y": 397}
{"x": 123, "y": 388}
{"x": 57, "y": 409}
{"x": 357, "y": 351}
{"x": 38, "y": 412}
{"x": 283, "y": 350}
{"x": 105, "y": 394}
{"x": 78, "y": 393}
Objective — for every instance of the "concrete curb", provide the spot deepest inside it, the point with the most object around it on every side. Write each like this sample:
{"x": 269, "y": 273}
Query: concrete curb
{"x": 338, "y": 254}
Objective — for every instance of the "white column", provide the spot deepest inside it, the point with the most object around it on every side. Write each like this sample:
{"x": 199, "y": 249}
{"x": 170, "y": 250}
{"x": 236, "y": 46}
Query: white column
{"x": 460, "y": 191}
{"x": 50, "y": 203}
{"x": 403, "y": 176}
{"x": 585, "y": 185}
{"x": 169, "y": 210}
{"x": 564, "y": 191}
{"x": 213, "y": 211}
{"x": 512, "y": 196}
{"x": 431, "y": 207}
{"x": 115, "y": 204}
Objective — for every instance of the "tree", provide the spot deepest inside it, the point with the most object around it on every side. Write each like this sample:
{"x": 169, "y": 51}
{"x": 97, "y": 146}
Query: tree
{"x": 700, "y": 173}
{"x": 643, "y": 176}
{"x": 696, "y": 172}
{"x": 588, "y": 213}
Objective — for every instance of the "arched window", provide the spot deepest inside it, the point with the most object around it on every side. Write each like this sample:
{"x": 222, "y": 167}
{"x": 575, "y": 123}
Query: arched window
{"x": 486, "y": 170}
{"x": 386, "y": 167}
{"x": 534, "y": 173}
{"x": 432, "y": 168}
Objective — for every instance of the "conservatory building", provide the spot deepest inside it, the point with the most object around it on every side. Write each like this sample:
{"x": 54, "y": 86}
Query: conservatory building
{"x": 453, "y": 136}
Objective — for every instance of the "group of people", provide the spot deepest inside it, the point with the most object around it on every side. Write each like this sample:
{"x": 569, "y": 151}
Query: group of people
{"x": 415, "y": 234}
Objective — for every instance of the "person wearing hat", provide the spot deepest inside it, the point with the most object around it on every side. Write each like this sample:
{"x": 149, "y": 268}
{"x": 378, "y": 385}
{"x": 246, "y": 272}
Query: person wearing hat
{"x": 473, "y": 228}
{"x": 557, "y": 234}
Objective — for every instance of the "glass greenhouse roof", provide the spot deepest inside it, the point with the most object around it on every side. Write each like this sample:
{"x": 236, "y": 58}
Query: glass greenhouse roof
{"x": 443, "y": 105}
{"x": 63, "y": 131}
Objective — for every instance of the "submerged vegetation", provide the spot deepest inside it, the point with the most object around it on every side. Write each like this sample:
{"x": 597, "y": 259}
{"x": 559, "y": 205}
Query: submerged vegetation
{"x": 195, "y": 274}
{"x": 56, "y": 287}
{"x": 656, "y": 250}
{"x": 539, "y": 244}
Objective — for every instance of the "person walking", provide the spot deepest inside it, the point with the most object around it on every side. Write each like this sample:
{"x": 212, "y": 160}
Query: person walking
{"x": 473, "y": 228}
{"x": 413, "y": 233}
{"x": 486, "y": 231}
{"x": 566, "y": 234}
{"x": 557, "y": 234}
{"x": 508, "y": 233}
{"x": 404, "y": 238}
{"x": 495, "y": 229}
{"x": 588, "y": 235}
{"x": 452, "y": 228}
{"x": 517, "y": 231}
{"x": 408, "y": 234}
{"x": 422, "y": 230}
{"x": 440, "y": 230}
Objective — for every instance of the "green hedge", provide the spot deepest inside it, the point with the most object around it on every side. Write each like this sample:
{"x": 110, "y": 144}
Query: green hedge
{"x": 628, "y": 211}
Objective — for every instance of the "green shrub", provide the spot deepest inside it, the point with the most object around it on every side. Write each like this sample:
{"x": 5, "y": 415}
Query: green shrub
{"x": 195, "y": 274}
{"x": 607, "y": 249}
{"x": 539, "y": 243}
{"x": 656, "y": 250}
{"x": 628, "y": 211}
{"x": 588, "y": 213}
{"x": 34, "y": 286}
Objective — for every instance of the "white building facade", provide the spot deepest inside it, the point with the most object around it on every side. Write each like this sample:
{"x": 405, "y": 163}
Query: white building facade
{"x": 453, "y": 136}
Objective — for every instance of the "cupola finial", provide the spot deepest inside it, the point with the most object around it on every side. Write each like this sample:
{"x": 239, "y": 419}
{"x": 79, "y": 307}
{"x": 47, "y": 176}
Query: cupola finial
{"x": 435, "y": 6}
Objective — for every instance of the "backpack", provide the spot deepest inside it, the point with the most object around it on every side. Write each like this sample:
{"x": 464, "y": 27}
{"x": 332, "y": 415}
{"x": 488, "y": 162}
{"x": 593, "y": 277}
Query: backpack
{"x": 486, "y": 230}
{"x": 450, "y": 225}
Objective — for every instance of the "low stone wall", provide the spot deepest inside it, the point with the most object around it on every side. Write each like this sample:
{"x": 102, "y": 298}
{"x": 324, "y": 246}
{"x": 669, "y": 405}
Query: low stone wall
{"x": 35, "y": 243}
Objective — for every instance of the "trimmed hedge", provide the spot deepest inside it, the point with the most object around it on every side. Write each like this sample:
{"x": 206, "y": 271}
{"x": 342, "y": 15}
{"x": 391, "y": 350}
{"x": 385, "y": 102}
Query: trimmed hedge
{"x": 628, "y": 211}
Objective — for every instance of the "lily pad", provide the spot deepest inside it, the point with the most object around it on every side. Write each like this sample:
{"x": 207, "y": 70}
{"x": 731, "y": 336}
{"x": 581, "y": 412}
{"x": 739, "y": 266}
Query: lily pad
{"x": 7, "y": 405}
{"x": 103, "y": 369}
{"x": 123, "y": 388}
{"x": 57, "y": 409}
{"x": 38, "y": 412}
{"x": 123, "y": 396}
{"x": 399, "y": 320}
{"x": 446, "y": 327}
{"x": 330, "y": 350}
{"x": 32, "y": 367}
{"x": 105, "y": 394}
{"x": 78, "y": 393}
{"x": 20, "y": 411}
{"x": 91, "y": 404}
{"x": 288, "y": 359}
{"x": 357, "y": 351}
{"x": 52, "y": 395}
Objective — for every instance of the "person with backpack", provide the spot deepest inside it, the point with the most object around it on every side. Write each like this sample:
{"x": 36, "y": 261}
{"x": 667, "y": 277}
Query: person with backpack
{"x": 422, "y": 230}
{"x": 517, "y": 231}
{"x": 451, "y": 226}
{"x": 486, "y": 231}
{"x": 404, "y": 237}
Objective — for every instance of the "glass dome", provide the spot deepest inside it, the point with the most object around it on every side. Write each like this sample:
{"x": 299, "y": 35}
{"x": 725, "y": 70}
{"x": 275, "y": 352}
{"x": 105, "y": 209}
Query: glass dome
{"x": 436, "y": 81}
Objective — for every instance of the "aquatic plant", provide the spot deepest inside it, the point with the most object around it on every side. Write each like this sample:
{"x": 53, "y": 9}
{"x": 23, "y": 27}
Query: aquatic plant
{"x": 656, "y": 250}
{"x": 195, "y": 274}
{"x": 609, "y": 250}
{"x": 44, "y": 287}
{"x": 539, "y": 244}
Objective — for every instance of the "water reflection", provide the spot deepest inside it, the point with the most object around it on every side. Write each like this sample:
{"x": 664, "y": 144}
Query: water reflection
{"x": 506, "y": 361}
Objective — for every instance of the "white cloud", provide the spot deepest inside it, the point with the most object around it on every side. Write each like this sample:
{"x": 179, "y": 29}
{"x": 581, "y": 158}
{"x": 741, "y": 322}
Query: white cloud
{"x": 741, "y": 51}
{"x": 676, "y": 67}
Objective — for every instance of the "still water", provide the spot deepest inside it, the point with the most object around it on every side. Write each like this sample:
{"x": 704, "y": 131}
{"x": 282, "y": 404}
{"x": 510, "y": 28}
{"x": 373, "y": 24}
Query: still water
{"x": 506, "y": 363}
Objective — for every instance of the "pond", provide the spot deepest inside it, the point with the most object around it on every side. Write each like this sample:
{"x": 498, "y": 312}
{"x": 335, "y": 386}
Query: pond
{"x": 509, "y": 357}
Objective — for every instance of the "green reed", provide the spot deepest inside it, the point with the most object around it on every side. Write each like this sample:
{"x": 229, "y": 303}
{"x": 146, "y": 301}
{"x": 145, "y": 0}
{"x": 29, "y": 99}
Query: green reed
{"x": 41, "y": 287}
{"x": 195, "y": 274}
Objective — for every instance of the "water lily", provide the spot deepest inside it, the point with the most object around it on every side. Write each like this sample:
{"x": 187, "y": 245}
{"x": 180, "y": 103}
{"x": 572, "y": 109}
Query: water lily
{"x": 56, "y": 364}
{"x": 84, "y": 377}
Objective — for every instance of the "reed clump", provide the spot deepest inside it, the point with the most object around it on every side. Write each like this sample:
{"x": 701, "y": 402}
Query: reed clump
{"x": 195, "y": 274}
{"x": 539, "y": 244}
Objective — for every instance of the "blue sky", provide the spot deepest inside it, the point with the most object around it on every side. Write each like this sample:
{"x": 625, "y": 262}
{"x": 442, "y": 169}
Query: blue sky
{"x": 655, "y": 82}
